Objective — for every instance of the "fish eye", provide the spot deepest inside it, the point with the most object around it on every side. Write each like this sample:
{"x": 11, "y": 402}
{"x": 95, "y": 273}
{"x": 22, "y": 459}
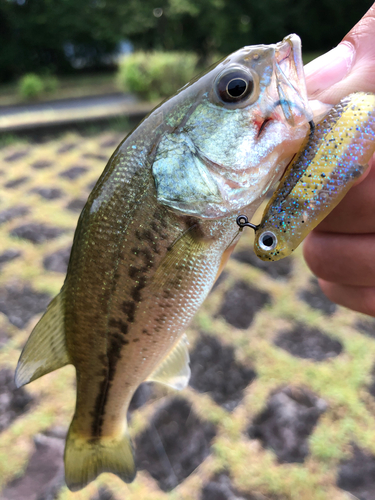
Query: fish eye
{"x": 235, "y": 86}
{"x": 267, "y": 241}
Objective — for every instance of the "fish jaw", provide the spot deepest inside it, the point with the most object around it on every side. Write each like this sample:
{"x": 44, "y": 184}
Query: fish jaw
{"x": 290, "y": 77}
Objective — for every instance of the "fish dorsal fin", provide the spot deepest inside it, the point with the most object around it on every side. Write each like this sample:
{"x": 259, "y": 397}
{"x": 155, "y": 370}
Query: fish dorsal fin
{"x": 45, "y": 350}
{"x": 174, "y": 370}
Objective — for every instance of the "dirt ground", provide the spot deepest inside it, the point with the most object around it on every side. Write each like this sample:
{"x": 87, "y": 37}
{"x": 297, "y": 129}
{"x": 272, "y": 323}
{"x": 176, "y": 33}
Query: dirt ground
{"x": 280, "y": 404}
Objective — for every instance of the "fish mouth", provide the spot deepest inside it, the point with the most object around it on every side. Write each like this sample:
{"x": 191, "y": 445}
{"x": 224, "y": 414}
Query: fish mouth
{"x": 263, "y": 125}
{"x": 290, "y": 81}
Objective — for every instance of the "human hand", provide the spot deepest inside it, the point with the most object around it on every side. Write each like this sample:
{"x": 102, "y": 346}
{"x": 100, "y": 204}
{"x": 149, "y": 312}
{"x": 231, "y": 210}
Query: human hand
{"x": 341, "y": 250}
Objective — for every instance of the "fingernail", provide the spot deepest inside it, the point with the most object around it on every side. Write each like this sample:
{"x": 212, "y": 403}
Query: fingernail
{"x": 330, "y": 68}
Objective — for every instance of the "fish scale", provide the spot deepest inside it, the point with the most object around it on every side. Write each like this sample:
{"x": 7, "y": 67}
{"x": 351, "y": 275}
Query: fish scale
{"x": 154, "y": 235}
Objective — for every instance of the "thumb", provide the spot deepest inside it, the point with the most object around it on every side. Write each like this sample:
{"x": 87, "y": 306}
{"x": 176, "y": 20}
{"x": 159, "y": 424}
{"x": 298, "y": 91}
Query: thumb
{"x": 349, "y": 67}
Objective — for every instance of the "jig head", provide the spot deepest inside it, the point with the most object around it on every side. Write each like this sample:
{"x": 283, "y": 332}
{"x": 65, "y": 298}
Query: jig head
{"x": 243, "y": 221}
{"x": 267, "y": 240}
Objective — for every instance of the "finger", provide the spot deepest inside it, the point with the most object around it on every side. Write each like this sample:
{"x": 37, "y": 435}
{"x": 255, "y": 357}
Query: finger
{"x": 356, "y": 212}
{"x": 344, "y": 259}
{"x": 357, "y": 298}
{"x": 349, "y": 67}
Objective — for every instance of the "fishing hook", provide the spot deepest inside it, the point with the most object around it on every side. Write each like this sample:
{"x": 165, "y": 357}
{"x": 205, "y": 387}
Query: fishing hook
{"x": 243, "y": 221}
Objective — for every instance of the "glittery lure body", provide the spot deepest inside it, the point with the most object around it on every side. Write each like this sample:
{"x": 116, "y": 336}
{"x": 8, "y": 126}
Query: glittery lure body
{"x": 335, "y": 155}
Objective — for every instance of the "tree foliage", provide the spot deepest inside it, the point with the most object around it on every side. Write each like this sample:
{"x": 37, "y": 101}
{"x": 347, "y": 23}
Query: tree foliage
{"x": 36, "y": 34}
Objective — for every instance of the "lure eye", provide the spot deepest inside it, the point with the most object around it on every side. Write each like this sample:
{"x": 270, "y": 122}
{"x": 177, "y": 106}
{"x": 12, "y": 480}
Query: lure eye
{"x": 267, "y": 241}
{"x": 235, "y": 86}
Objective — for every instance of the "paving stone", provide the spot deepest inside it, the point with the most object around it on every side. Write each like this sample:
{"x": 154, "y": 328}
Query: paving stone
{"x": 76, "y": 205}
{"x": 317, "y": 300}
{"x": 13, "y": 402}
{"x": 91, "y": 185}
{"x": 93, "y": 156}
{"x": 44, "y": 474}
{"x": 49, "y": 193}
{"x": 310, "y": 343}
{"x": 174, "y": 444}
{"x": 36, "y": 232}
{"x": 371, "y": 387}
{"x": 366, "y": 326}
{"x": 16, "y": 182}
{"x": 104, "y": 494}
{"x": 286, "y": 423}
{"x": 280, "y": 269}
{"x": 66, "y": 147}
{"x": 9, "y": 255}
{"x": 221, "y": 488}
{"x": 109, "y": 143}
{"x": 141, "y": 396}
{"x": 74, "y": 173}
{"x": 12, "y": 213}
{"x": 58, "y": 261}
{"x": 357, "y": 474}
{"x": 16, "y": 156}
{"x": 214, "y": 370}
{"x": 57, "y": 431}
{"x": 241, "y": 303}
{"x": 20, "y": 303}
{"x": 4, "y": 337}
{"x": 41, "y": 164}
{"x": 220, "y": 280}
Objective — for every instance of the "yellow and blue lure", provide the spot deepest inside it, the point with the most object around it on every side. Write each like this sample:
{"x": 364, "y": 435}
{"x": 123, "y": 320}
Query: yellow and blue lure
{"x": 337, "y": 152}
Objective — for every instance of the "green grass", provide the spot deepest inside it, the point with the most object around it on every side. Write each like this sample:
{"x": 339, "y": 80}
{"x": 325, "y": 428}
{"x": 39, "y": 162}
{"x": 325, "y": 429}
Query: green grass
{"x": 342, "y": 381}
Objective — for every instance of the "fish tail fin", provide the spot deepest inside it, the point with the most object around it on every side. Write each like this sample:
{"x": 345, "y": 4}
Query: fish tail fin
{"x": 86, "y": 458}
{"x": 45, "y": 349}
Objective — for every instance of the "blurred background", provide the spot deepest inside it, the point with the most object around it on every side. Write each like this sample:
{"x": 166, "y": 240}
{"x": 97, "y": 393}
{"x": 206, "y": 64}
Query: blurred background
{"x": 74, "y": 48}
{"x": 281, "y": 402}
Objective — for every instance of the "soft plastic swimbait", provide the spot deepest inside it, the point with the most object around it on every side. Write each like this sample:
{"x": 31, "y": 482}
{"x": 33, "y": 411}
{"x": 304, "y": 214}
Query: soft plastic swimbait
{"x": 336, "y": 154}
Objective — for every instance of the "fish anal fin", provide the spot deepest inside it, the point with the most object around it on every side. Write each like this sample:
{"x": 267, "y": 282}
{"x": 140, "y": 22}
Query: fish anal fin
{"x": 86, "y": 458}
{"x": 45, "y": 350}
{"x": 174, "y": 370}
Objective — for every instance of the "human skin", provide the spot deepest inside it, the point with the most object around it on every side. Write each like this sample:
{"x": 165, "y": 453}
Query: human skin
{"x": 341, "y": 250}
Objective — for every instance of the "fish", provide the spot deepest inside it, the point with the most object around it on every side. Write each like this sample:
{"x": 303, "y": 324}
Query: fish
{"x": 336, "y": 154}
{"x": 153, "y": 237}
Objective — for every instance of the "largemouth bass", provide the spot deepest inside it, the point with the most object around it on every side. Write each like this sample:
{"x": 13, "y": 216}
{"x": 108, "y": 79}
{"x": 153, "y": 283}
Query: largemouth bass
{"x": 336, "y": 154}
{"x": 154, "y": 235}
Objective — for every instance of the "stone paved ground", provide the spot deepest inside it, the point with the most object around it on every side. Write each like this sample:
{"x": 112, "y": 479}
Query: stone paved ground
{"x": 281, "y": 402}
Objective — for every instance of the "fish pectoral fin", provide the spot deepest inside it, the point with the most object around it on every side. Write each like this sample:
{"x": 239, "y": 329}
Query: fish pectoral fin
{"x": 174, "y": 369}
{"x": 85, "y": 458}
{"x": 45, "y": 349}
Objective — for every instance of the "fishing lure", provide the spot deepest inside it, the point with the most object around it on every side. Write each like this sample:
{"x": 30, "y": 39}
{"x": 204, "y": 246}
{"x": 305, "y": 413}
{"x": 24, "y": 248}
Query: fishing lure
{"x": 335, "y": 155}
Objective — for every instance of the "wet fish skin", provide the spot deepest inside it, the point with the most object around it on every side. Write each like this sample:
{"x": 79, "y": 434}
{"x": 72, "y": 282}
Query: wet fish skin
{"x": 151, "y": 240}
{"x": 336, "y": 154}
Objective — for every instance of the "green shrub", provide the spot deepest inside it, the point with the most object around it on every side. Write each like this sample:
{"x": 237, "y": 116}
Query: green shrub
{"x": 156, "y": 74}
{"x": 30, "y": 86}
{"x": 50, "y": 83}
